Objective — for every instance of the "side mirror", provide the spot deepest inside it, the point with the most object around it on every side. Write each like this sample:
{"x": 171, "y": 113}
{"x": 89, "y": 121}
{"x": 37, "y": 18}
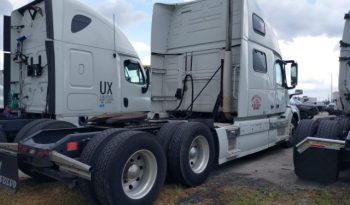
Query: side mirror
{"x": 294, "y": 74}
{"x": 148, "y": 82}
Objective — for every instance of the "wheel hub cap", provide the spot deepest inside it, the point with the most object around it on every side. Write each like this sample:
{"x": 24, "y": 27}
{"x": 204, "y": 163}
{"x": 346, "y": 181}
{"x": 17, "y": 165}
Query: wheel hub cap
{"x": 139, "y": 175}
{"x": 199, "y": 154}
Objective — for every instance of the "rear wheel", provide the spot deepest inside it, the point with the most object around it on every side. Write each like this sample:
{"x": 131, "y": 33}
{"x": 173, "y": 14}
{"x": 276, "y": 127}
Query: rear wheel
{"x": 90, "y": 154}
{"x": 191, "y": 154}
{"x": 345, "y": 127}
{"x": 131, "y": 169}
{"x": 30, "y": 129}
{"x": 329, "y": 129}
{"x": 26, "y": 131}
{"x": 306, "y": 128}
{"x": 166, "y": 133}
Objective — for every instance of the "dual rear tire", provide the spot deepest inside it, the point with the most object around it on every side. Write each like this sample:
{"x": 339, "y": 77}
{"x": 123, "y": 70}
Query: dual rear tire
{"x": 190, "y": 152}
{"x": 129, "y": 167}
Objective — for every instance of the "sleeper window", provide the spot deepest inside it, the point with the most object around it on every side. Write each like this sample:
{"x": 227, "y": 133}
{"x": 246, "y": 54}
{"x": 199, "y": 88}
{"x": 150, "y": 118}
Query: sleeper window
{"x": 133, "y": 72}
{"x": 259, "y": 61}
{"x": 79, "y": 22}
{"x": 258, "y": 25}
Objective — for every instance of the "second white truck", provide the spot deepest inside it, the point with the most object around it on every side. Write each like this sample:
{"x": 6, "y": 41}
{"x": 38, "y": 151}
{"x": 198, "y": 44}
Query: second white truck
{"x": 219, "y": 91}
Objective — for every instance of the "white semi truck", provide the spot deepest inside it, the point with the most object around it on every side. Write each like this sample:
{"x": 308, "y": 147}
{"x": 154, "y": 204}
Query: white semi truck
{"x": 219, "y": 91}
{"x": 68, "y": 68}
{"x": 322, "y": 147}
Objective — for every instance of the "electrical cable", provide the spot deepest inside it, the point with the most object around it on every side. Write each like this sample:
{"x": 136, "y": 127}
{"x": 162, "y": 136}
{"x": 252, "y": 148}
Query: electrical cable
{"x": 205, "y": 86}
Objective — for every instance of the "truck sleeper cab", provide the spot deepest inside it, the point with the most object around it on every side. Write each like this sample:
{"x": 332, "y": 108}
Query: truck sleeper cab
{"x": 63, "y": 61}
{"x": 200, "y": 115}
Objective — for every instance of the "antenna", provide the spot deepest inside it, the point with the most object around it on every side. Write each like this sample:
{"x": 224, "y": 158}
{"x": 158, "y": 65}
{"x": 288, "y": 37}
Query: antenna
{"x": 114, "y": 33}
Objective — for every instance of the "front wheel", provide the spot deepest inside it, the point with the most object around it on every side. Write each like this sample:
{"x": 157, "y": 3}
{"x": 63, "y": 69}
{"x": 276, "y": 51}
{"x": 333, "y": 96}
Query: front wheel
{"x": 291, "y": 139}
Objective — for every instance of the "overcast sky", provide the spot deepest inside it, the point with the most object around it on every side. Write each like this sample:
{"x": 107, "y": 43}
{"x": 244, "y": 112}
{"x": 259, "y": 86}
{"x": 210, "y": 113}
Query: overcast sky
{"x": 309, "y": 32}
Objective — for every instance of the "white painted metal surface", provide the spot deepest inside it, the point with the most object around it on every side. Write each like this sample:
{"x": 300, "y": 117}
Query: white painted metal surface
{"x": 89, "y": 80}
{"x": 189, "y": 39}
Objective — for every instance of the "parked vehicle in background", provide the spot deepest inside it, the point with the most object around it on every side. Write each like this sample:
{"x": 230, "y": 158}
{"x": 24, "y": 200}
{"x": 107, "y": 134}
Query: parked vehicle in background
{"x": 322, "y": 147}
{"x": 219, "y": 93}
{"x": 307, "y": 111}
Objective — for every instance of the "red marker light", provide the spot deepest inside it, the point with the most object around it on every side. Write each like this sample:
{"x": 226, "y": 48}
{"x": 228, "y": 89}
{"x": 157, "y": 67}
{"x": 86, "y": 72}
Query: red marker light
{"x": 319, "y": 146}
{"x": 42, "y": 153}
{"x": 72, "y": 146}
{"x": 23, "y": 149}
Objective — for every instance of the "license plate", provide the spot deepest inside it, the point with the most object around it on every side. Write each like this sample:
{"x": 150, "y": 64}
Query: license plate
{"x": 9, "y": 171}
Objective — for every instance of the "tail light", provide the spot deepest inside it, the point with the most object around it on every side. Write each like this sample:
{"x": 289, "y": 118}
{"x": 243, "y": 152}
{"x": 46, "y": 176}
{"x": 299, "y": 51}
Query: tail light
{"x": 72, "y": 146}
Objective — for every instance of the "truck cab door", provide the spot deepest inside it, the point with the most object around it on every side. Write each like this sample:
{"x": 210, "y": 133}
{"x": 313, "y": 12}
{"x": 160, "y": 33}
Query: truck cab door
{"x": 133, "y": 79}
{"x": 281, "y": 97}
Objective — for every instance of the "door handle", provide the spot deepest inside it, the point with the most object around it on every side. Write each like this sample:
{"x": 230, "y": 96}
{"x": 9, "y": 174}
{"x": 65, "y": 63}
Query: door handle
{"x": 278, "y": 106}
{"x": 272, "y": 106}
{"x": 126, "y": 102}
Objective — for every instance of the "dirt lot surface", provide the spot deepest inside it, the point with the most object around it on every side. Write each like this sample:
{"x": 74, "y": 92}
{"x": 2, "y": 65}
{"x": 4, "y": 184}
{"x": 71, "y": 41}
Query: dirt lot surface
{"x": 264, "y": 178}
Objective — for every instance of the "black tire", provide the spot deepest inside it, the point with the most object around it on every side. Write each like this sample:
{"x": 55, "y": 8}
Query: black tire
{"x": 166, "y": 133}
{"x": 345, "y": 127}
{"x": 23, "y": 133}
{"x": 304, "y": 115}
{"x": 291, "y": 141}
{"x": 38, "y": 125}
{"x": 164, "y": 136}
{"x": 329, "y": 129}
{"x": 306, "y": 128}
{"x": 90, "y": 154}
{"x": 3, "y": 137}
{"x": 179, "y": 153}
{"x": 109, "y": 168}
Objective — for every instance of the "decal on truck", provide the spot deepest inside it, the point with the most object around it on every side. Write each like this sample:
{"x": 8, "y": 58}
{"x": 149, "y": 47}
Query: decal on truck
{"x": 106, "y": 96}
{"x": 256, "y": 102}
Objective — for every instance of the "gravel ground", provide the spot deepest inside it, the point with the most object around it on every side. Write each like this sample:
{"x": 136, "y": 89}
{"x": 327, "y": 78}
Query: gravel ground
{"x": 263, "y": 178}
{"x": 274, "y": 166}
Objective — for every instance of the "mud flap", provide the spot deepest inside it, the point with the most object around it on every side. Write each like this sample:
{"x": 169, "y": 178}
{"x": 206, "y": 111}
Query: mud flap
{"x": 9, "y": 171}
{"x": 315, "y": 164}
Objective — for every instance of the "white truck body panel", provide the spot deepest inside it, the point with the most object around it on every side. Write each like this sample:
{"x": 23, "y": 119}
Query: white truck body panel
{"x": 195, "y": 32}
{"x": 84, "y": 77}
{"x": 189, "y": 39}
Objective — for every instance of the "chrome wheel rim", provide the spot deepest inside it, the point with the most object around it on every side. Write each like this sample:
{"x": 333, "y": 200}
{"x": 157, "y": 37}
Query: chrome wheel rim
{"x": 139, "y": 174}
{"x": 198, "y": 155}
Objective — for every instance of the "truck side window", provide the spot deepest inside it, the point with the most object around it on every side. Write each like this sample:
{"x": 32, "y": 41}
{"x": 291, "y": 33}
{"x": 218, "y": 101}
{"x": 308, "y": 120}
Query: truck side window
{"x": 133, "y": 72}
{"x": 259, "y": 25}
{"x": 278, "y": 74}
{"x": 259, "y": 61}
{"x": 79, "y": 22}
